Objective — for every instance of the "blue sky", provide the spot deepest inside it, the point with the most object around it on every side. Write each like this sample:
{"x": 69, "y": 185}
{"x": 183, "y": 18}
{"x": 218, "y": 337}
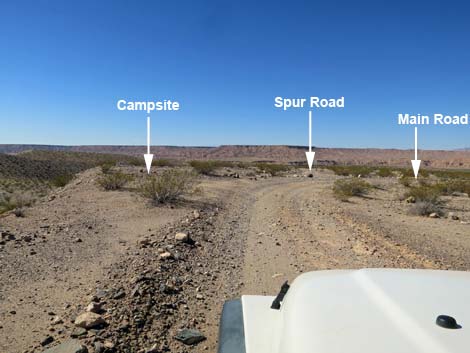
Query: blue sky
{"x": 64, "y": 64}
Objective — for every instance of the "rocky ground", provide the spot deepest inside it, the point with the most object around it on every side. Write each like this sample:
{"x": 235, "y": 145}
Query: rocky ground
{"x": 88, "y": 270}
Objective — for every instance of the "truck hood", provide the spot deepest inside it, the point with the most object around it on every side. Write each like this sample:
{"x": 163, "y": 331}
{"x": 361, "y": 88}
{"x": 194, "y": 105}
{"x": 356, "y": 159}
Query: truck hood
{"x": 360, "y": 311}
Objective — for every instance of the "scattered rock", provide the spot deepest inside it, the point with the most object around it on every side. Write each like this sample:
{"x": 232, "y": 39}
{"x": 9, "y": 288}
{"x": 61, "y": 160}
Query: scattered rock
{"x": 459, "y": 194}
{"x": 47, "y": 340}
{"x": 165, "y": 255}
{"x": 182, "y": 237}
{"x": 70, "y": 346}
{"x": 99, "y": 347}
{"x": 57, "y": 320}
{"x": 27, "y": 238}
{"x": 411, "y": 199}
{"x": 94, "y": 307}
{"x": 153, "y": 349}
{"x": 144, "y": 241}
{"x": 433, "y": 215}
{"x": 18, "y": 212}
{"x": 190, "y": 336}
{"x": 119, "y": 294}
{"x": 78, "y": 332}
{"x": 89, "y": 320}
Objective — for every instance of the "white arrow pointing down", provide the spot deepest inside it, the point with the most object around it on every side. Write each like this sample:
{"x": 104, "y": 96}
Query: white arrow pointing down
{"x": 416, "y": 163}
{"x": 148, "y": 156}
{"x": 310, "y": 155}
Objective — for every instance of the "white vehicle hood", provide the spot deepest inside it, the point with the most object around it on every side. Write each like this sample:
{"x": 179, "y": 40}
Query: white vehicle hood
{"x": 361, "y": 311}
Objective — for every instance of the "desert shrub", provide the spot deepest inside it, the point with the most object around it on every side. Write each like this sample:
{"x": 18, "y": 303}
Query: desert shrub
{"x": 425, "y": 208}
{"x": 15, "y": 201}
{"x": 345, "y": 188}
{"x": 427, "y": 199}
{"x": 351, "y": 170}
{"x": 114, "y": 181}
{"x": 272, "y": 168}
{"x": 385, "y": 172}
{"x": 204, "y": 167}
{"x": 19, "y": 212}
{"x": 62, "y": 180}
{"x": 405, "y": 181}
{"x": 163, "y": 163}
{"x": 169, "y": 186}
{"x": 106, "y": 167}
{"x": 409, "y": 173}
{"x": 425, "y": 192}
{"x": 447, "y": 187}
{"x": 209, "y": 167}
{"x": 452, "y": 174}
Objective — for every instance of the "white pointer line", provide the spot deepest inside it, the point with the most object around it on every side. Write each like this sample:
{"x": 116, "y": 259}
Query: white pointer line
{"x": 310, "y": 131}
{"x": 148, "y": 135}
{"x": 148, "y": 157}
{"x": 416, "y": 143}
{"x": 310, "y": 155}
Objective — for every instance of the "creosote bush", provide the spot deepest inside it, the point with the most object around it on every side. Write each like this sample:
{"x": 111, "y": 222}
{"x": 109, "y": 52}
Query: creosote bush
{"x": 169, "y": 186}
{"x": 114, "y": 181}
{"x": 343, "y": 189}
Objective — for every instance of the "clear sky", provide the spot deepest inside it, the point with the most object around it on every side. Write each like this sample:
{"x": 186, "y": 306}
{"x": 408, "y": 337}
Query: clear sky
{"x": 64, "y": 64}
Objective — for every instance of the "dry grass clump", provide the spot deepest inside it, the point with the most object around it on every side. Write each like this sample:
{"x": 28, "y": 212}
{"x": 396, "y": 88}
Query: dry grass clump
{"x": 169, "y": 186}
{"x": 343, "y": 189}
{"x": 114, "y": 181}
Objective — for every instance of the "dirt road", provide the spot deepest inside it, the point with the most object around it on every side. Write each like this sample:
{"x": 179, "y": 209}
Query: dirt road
{"x": 266, "y": 232}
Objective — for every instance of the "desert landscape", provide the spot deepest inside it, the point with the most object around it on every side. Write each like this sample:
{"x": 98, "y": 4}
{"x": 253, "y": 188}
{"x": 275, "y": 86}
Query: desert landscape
{"x": 99, "y": 256}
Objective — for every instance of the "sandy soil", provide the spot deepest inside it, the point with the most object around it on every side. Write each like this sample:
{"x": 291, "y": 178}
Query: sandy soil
{"x": 261, "y": 233}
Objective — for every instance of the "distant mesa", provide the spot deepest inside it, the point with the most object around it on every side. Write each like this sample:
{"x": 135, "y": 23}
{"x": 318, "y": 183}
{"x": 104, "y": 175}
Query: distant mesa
{"x": 272, "y": 153}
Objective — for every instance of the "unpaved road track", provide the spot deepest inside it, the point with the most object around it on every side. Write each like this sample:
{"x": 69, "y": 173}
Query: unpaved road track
{"x": 293, "y": 225}
{"x": 267, "y": 231}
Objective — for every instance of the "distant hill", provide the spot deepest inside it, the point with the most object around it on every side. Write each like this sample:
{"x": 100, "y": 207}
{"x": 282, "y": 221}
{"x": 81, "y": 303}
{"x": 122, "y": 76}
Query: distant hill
{"x": 47, "y": 165}
{"x": 291, "y": 154}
